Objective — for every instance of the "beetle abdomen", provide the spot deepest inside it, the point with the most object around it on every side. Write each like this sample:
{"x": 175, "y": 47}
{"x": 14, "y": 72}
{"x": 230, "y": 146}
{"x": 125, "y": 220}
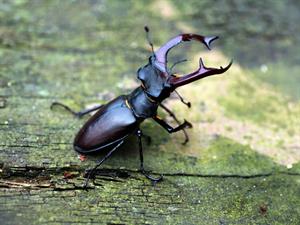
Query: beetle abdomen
{"x": 112, "y": 123}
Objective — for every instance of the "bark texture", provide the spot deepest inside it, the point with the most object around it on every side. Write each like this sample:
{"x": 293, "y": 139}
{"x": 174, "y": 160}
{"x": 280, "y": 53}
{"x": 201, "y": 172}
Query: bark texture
{"x": 86, "y": 52}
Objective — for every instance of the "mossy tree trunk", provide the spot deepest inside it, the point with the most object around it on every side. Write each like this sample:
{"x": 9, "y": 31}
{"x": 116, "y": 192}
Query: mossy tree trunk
{"x": 81, "y": 53}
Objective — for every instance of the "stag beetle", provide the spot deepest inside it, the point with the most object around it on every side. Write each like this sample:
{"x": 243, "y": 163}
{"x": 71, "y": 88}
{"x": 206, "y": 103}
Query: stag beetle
{"x": 108, "y": 128}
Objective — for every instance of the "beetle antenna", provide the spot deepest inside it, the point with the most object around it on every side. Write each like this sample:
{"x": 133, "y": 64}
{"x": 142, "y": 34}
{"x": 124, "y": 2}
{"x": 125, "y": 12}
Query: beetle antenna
{"x": 178, "y": 62}
{"x": 148, "y": 39}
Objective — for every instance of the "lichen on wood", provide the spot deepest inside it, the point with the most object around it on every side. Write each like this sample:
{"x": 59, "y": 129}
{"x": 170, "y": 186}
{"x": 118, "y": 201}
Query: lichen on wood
{"x": 240, "y": 166}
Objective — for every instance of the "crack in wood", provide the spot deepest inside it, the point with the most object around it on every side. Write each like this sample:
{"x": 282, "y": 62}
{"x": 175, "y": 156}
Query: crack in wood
{"x": 68, "y": 178}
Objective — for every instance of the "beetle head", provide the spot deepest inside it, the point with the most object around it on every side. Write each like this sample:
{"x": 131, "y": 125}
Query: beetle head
{"x": 154, "y": 81}
{"x": 157, "y": 80}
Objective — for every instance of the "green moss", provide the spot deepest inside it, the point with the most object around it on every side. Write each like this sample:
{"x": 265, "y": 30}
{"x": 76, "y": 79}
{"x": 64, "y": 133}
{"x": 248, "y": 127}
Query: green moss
{"x": 178, "y": 200}
{"x": 248, "y": 100}
{"x": 222, "y": 157}
{"x": 228, "y": 157}
{"x": 295, "y": 168}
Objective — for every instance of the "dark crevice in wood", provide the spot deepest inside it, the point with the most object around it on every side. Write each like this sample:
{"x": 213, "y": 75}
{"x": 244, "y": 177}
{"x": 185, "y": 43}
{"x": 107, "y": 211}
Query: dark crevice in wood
{"x": 35, "y": 171}
{"x": 67, "y": 178}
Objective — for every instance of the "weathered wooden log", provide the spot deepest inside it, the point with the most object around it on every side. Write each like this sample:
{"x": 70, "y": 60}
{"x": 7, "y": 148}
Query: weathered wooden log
{"x": 82, "y": 53}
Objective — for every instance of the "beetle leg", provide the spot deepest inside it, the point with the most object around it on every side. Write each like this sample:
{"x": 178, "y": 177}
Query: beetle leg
{"x": 170, "y": 129}
{"x": 77, "y": 114}
{"x": 177, "y": 121}
{"x": 188, "y": 104}
{"x": 91, "y": 173}
{"x": 146, "y": 174}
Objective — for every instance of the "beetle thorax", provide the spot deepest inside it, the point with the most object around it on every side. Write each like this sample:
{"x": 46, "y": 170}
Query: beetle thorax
{"x": 154, "y": 82}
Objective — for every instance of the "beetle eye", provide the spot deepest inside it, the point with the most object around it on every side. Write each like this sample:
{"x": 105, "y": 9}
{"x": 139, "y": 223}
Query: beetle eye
{"x": 150, "y": 60}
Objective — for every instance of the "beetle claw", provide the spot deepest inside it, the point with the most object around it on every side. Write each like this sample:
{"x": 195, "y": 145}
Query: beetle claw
{"x": 209, "y": 40}
{"x": 162, "y": 53}
{"x": 153, "y": 179}
{"x": 200, "y": 73}
{"x": 188, "y": 124}
{"x": 160, "y": 60}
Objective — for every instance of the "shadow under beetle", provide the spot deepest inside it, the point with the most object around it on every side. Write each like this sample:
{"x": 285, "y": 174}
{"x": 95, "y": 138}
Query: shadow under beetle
{"x": 108, "y": 128}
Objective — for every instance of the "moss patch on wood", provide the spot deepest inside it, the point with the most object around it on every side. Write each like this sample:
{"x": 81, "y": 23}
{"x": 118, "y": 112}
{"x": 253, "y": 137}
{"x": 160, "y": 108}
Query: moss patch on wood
{"x": 86, "y": 52}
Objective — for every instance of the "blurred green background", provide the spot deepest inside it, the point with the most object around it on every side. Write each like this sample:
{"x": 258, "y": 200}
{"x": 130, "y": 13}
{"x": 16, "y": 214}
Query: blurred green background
{"x": 262, "y": 36}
